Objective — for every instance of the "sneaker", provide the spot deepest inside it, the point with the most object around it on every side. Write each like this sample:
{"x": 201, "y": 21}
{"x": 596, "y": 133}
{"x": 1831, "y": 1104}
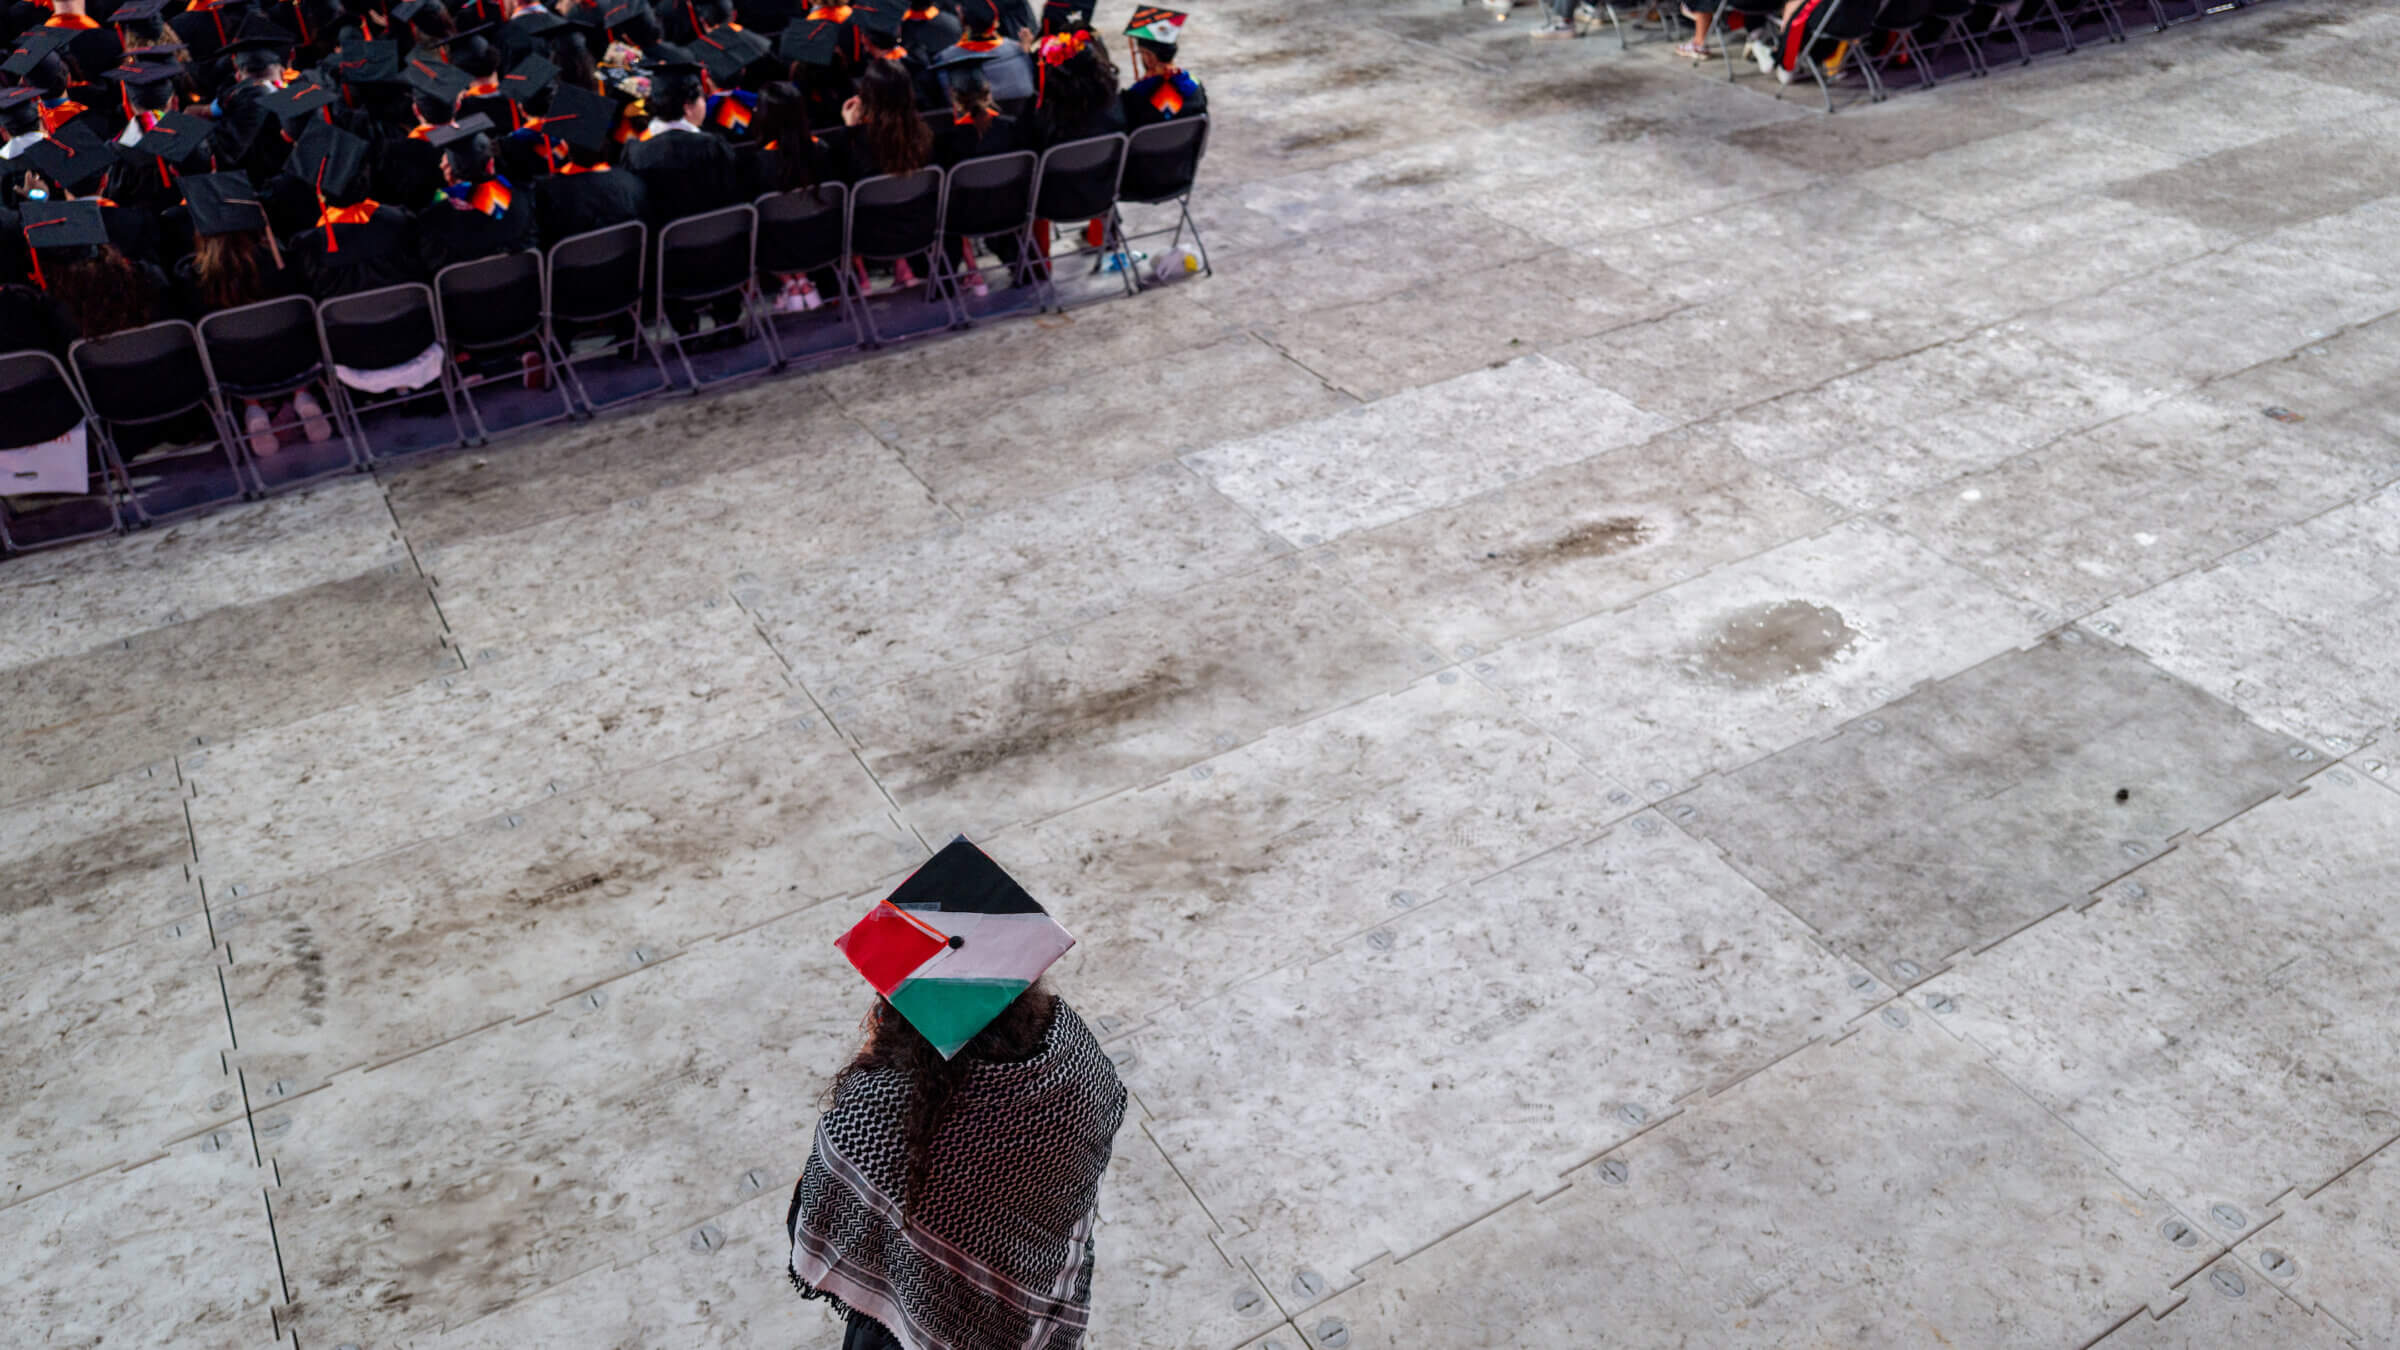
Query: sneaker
{"x": 1758, "y": 50}
{"x": 1691, "y": 49}
{"x": 903, "y": 275}
{"x": 1586, "y": 18}
{"x": 262, "y": 431}
{"x": 312, "y": 417}
{"x": 1555, "y": 28}
{"x": 1782, "y": 76}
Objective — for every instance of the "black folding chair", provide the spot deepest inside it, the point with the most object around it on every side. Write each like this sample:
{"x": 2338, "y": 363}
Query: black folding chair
{"x": 1894, "y": 45}
{"x": 382, "y": 330}
{"x": 1946, "y": 29}
{"x": 43, "y": 405}
{"x": 147, "y": 387}
{"x": 990, "y": 198}
{"x": 1161, "y": 162}
{"x": 488, "y": 310}
{"x": 596, "y": 281}
{"x": 1825, "y": 28}
{"x": 704, "y": 261}
{"x": 1079, "y": 183}
{"x": 1755, "y": 27}
{"x": 267, "y": 351}
{"x": 800, "y": 234}
{"x": 894, "y": 218}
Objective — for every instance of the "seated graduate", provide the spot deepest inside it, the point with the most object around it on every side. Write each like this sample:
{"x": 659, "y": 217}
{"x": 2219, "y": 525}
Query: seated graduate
{"x": 927, "y": 30}
{"x": 883, "y": 134}
{"x": 234, "y": 260}
{"x": 96, "y": 287}
{"x": 92, "y": 43}
{"x": 480, "y": 213}
{"x": 1165, "y": 90}
{"x": 357, "y": 244}
{"x": 976, "y": 126}
{"x": 587, "y": 192}
{"x": 788, "y": 154}
{"x": 1006, "y": 67}
{"x": 686, "y": 170}
{"x": 1079, "y": 95}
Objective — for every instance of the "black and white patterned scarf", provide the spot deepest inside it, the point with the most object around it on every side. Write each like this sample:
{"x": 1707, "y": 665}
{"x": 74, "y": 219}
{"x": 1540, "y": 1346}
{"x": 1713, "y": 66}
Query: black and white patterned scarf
{"x": 998, "y": 1255}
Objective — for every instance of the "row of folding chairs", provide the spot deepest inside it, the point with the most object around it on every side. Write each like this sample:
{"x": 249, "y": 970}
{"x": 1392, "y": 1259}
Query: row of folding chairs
{"x": 519, "y": 340}
{"x": 1884, "y": 40}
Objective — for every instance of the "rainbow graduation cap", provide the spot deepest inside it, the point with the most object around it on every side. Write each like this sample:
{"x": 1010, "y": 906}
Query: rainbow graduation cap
{"x": 955, "y": 945}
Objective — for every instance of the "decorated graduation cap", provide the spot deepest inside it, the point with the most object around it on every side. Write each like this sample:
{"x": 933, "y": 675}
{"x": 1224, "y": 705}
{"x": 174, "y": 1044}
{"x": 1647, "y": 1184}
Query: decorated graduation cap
{"x": 1157, "y": 29}
{"x": 726, "y": 51}
{"x": 1065, "y": 16}
{"x": 35, "y": 45}
{"x": 74, "y": 157}
{"x": 526, "y": 82}
{"x": 583, "y": 119}
{"x": 811, "y": 42}
{"x": 955, "y": 945}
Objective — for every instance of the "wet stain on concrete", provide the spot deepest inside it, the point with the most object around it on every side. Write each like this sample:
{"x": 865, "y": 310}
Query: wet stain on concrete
{"x": 1592, "y": 539}
{"x": 300, "y": 943}
{"x": 1407, "y": 178}
{"x": 2268, "y": 37}
{"x": 1045, "y": 718}
{"x": 1339, "y": 133}
{"x": 74, "y": 869}
{"x": 1355, "y": 77}
{"x": 1580, "y": 89}
{"x": 1766, "y": 644}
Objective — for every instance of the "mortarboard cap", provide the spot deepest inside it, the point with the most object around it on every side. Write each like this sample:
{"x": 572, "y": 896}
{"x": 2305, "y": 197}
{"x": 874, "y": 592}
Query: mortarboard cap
{"x": 223, "y": 203}
{"x": 31, "y": 48}
{"x": 74, "y": 224}
{"x": 297, "y": 100}
{"x": 367, "y": 62}
{"x": 438, "y": 78}
{"x": 178, "y": 138}
{"x": 326, "y": 158}
{"x": 256, "y": 34}
{"x": 145, "y": 66}
{"x": 1152, "y": 24}
{"x": 525, "y": 83}
{"x": 955, "y": 945}
{"x": 19, "y": 93}
{"x": 74, "y": 157}
{"x": 581, "y": 118}
{"x": 465, "y": 128}
{"x": 137, "y": 11}
{"x": 1065, "y": 16}
{"x": 879, "y": 18}
{"x": 811, "y": 42}
{"x": 958, "y": 58}
{"x": 618, "y": 13}
{"x": 978, "y": 16}
{"x": 408, "y": 11}
{"x": 726, "y": 51}
{"x": 667, "y": 58}
{"x": 536, "y": 23}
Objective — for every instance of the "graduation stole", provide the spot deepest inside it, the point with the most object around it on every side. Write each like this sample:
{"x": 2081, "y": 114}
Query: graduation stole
{"x": 1167, "y": 98}
{"x": 733, "y": 110}
{"x": 988, "y": 43}
{"x": 571, "y": 168}
{"x": 920, "y": 15}
{"x": 491, "y": 196}
{"x": 344, "y": 215}
{"x": 56, "y": 115}
{"x": 483, "y": 88}
{"x": 829, "y": 14}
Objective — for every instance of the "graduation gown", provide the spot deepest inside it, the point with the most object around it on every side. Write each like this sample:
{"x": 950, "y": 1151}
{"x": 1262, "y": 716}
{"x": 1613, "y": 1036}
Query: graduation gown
{"x": 960, "y": 140}
{"x": 1162, "y": 98}
{"x": 1007, "y": 69}
{"x": 380, "y": 251}
{"x": 686, "y": 172}
{"x": 448, "y": 232}
{"x": 569, "y": 204}
{"x": 406, "y": 170}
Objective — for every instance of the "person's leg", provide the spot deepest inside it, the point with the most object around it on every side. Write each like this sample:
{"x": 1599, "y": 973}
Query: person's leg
{"x": 1698, "y": 46}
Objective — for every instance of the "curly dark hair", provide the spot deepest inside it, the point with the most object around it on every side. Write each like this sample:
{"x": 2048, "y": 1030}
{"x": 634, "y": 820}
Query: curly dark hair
{"x": 1016, "y": 1034}
{"x": 104, "y": 292}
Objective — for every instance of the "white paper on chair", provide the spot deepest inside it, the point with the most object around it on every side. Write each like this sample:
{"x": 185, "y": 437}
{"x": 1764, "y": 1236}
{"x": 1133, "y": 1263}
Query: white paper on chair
{"x": 62, "y": 464}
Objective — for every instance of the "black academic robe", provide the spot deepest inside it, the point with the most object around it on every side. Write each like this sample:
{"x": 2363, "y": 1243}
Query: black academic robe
{"x": 31, "y": 321}
{"x": 1007, "y": 69}
{"x": 1163, "y": 98}
{"x": 929, "y": 36}
{"x": 569, "y": 204}
{"x": 95, "y": 50}
{"x": 955, "y": 140}
{"x": 686, "y": 172}
{"x": 448, "y": 232}
{"x": 407, "y": 170}
{"x": 1104, "y": 120}
{"x": 380, "y": 251}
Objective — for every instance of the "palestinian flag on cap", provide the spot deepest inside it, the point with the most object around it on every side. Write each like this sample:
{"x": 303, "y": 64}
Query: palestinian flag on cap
{"x": 955, "y": 945}
{"x": 1152, "y": 24}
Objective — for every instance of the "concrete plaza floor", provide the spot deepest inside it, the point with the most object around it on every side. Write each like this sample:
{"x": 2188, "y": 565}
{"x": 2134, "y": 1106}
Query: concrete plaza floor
{"x": 1666, "y": 722}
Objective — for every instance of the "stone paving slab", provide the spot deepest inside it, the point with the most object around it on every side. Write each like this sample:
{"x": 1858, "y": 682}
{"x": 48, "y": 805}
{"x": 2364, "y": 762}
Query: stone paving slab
{"x": 1900, "y": 839}
{"x": 84, "y": 871}
{"x": 174, "y": 1252}
{"x": 2338, "y": 1251}
{"x": 2228, "y": 1304}
{"x": 2193, "y": 1022}
{"x": 1755, "y": 656}
{"x": 1935, "y": 1204}
{"x": 1478, "y": 1047}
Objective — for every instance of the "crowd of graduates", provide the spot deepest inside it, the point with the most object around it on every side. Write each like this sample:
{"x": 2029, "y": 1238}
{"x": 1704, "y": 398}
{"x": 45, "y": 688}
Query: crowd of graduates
{"x": 171, "y": 158}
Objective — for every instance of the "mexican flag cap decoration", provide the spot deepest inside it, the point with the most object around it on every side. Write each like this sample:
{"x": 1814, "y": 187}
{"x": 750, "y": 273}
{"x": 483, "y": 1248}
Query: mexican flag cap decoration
{"x": 1152, "y": 24}
{"x": 955, "y": 945}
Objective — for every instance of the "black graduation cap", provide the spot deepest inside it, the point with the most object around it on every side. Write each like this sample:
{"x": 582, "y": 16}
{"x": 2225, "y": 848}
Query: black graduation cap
{"x": 666, "y": 58}
{"x": 438, "y": 78}
{"x": 978, "y": 16}
{"x": 75, "y": 224}
{"x": 726, "y": 51}
{"x": 31, "y": 48}
{"x": 618, "y": 13}
{"x": 536, "y": 23}
{"x": 959, "y": 57}
{"x": 18, "y": 93}
{"x": 178, "y": 137}
{"x": 877, "y": 18}
{"x": 74, "y": 157}
{"x": 526, "y": 83}
{"x": 326, "y": 158}
{"x": 407, "y": 11}
{"x": 1065, "y": 16}
{"x": 145, "y": 66}
{"x": 811, "y": 42}
{"x": 443, "y": 137}
{"x": 223, "y": 203}
{"x": 256, "y": 34}
{"x": 581, "y": 118}
{"x": 137, "y": 11}
{"x": 297, "y": 100}
{"x": 362, "y": 62}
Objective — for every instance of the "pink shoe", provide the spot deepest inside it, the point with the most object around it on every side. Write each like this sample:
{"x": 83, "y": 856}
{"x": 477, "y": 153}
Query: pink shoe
{"x": 312, "y": 417}
{"x": 903, "y": 275}
{"x": 262, "y": 430}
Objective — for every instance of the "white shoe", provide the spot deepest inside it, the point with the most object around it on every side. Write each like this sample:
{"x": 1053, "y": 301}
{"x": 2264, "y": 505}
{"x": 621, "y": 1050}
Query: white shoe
{"x": 1763, "y": 54}
{"x": 1555, "y": 28}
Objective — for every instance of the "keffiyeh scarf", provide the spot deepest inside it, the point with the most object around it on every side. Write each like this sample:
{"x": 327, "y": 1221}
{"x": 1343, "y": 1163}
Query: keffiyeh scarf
{"x": 998, "y": 1255}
